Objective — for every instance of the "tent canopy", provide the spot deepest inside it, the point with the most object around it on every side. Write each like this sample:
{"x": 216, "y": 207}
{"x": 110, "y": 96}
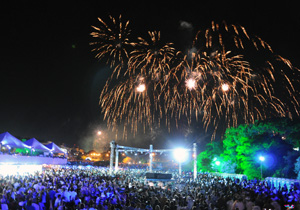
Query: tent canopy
{"x": 35, "y": 144}
{"x": 54, "y": 148}
{"x": 7, "y": 139}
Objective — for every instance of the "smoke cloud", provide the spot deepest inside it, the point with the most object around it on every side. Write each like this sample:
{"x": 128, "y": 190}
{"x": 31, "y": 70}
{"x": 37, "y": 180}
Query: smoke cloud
{"x": 184, "y": 25}
{"x": 158, "y": 136}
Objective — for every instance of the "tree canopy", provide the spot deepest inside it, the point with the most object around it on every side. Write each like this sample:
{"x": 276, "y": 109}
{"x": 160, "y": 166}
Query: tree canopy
{"x": 239, "y": 151}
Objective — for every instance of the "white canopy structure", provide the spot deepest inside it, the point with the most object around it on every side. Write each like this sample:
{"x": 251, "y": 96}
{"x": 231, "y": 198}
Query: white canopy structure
{"x": 54, "y": 148}
{"x": 6, "y": 139}
{"x": 35, "y": 144}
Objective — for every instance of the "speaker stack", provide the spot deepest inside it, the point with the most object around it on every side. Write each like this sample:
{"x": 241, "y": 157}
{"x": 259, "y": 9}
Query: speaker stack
{"x": 158, "y": 176}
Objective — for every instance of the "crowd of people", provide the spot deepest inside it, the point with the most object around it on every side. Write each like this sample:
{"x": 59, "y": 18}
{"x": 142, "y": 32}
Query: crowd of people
{"x": 93, "y": 188}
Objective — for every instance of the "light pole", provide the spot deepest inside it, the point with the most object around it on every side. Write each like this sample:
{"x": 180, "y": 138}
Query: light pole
{"x": 195, "y": 160}
{"x": 179, "y": 168}
{"x": 262, "y": 159}
{"x": 111, "y": 162}
{"x": 150, "y": 157}
{"x": 180, "y": 155}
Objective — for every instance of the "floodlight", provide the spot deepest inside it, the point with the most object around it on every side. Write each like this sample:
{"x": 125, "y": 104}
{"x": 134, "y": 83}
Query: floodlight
{"x": 180, "y": 154}
{"x": 261, "y": 158}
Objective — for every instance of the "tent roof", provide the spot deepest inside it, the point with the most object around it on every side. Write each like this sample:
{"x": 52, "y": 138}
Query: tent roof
{"x": 54, "y": 148}
{"x": 35, "y": 144}
{"x": 8, "y": 139}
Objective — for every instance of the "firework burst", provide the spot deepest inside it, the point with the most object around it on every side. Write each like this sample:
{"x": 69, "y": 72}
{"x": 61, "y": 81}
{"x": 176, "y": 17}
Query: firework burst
{"x": 209, "y": 87}
{"x": 112, "y": 42}
{"x": 236, "y": 79}
{"x": 135, "y": 100}
{"x": 129, "y": 102}
{"x": 151, "y": 56}
{"x": 228, "y": 77}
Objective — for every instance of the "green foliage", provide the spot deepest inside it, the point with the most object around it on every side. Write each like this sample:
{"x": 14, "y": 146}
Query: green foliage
{"x": 297, "y": 168}
{"x": 26, "y": 151}
{"x": 23, "y": 151}
{"x": 275, "y": 139}
{"x": 228, "y": 167}
{"x": 205, "y": 158}
{"x": 272, "y": 138}
{"x": 288, "y": 169}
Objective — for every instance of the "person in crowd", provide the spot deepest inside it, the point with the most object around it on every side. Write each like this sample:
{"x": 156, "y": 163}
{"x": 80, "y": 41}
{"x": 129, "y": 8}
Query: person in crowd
{"x": 93, "y": 188}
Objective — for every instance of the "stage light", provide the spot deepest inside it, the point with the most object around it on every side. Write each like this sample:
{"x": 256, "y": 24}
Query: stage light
{"x": 180, "y": 155}
{"x": 218, "y": 163}
{"x": 262, "y": 158}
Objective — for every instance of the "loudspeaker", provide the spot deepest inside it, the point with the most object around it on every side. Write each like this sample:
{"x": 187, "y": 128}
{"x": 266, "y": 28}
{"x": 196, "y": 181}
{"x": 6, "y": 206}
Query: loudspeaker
{"x": 150, "y": 175}
{"x": 158, "y": 176}
{"x": 164, "y": 176}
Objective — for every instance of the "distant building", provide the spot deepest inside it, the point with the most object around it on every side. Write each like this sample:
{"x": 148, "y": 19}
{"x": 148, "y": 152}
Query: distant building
{"x": 74, "y": 153}
{"x": 94, "y": 156}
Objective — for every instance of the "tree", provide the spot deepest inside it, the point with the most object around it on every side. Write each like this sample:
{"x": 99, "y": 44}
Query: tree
{"x": 297, "y": 168}
{"x": 290, "y": 161}
{"x": 275, "y": 139}
{"x": 205, "y": 158}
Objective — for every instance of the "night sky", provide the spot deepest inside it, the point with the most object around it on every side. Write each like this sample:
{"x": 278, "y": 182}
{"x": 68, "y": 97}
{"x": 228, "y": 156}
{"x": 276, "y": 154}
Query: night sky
{"x": 51, "y": 82}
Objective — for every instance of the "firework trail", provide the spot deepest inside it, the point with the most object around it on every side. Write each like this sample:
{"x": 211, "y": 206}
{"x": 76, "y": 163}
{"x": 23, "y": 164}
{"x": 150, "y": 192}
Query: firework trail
{"x": 151, "y": 56}
{"x": 128, "y": 102}
{"x": 112, "y": 43}
{"x": 134, "y": 100}
{"x": 243, "y": 79}
{"x": 207, "y": 88}
{"x": 228, "y": 77}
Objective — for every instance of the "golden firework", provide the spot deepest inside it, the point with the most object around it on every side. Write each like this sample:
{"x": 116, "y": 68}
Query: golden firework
{"x": 112, "y": 42}
{"x": 228, "y": 77}
{"x": 151, "y": 56}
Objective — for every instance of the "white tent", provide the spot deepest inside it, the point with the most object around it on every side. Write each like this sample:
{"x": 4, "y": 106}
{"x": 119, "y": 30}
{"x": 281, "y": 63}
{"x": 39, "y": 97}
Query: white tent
{"x": 54, "y": 148}
{"x": 35, "y": 144}
{"x": 6, "y": 139}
